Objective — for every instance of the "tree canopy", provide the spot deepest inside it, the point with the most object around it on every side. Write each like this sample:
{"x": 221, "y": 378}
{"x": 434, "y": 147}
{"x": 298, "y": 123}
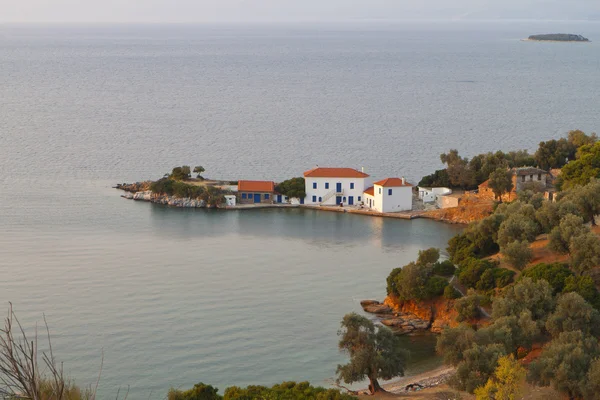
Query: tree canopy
{"x": 292, "y": 188}
{"x": 375, "y": 352}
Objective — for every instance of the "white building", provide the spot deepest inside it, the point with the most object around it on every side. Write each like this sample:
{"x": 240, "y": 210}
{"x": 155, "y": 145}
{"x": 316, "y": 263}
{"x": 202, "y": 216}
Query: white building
{"x": 430, "y": 195}
{"x": 334, "y": 186}
{"x": 389, "y": 195}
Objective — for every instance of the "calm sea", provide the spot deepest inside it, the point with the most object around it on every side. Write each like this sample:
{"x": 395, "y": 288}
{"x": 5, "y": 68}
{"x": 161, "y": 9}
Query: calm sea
{"x": 174, "y": 297}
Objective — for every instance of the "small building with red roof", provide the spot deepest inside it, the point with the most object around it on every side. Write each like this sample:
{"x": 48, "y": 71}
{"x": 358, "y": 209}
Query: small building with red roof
{"x": 334, "y": 186}
{"x": 254, "y": 192}
{"x": 389, "y": 195}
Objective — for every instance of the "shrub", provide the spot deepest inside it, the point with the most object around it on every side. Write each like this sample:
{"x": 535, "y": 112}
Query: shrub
{"x": 391, "y": 281}
{"x": 200, "y": 391}
{"x": 451, "y": 293}
{"x": 470, "y": 272}
{"x": 555, "y": 274}
{"x": 435, "y": 286}
{"x": 503, "y": 277}
{"x": 585, "y": 287}
{"x": 444, "y": 268}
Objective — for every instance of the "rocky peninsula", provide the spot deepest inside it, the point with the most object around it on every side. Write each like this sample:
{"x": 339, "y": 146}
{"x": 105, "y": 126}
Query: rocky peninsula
{"x": 558, "y": 37}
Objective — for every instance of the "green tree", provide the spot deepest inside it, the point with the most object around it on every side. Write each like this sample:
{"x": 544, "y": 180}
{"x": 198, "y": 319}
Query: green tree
{"x": 516, "y": 228}
{"x": 547, "y": 216}
{"x": 582, "y": 170}
{"x": 518, "y": 254}
{"x": 555, "y": 274}
{"x": 198, "y": 170}
{"x": 469, "y": 307}
{"x": 587, "y": 200}
{"x": 375, "y": 352}
{"x": 501, "y": 182}
{"x": 477, "y": 367}
{"x": 560, "y": 237}
{"x": 292, "y": 188}
{"x": 444, "y": 268}
{"x": 180, "y": 173}
{"x": 506, "y": 383}
{"x": 573, "y": 313}
{"x": 512, "y": 332}
{"x": 200, "y": 391}
{"x": 428, "y": 257}
{"x": 584, "y": 286}
{"x": 554, "y": 153}
{"x": 565, "y": 362}
{"x": 452, "y": 343}
{"x": 285, "y": 391}
{"x": 459, "y": 173}
{"x": 525, "y": 295}
{"x": 585, "y": 252}
{"x": 592, "y": 385}
{"x": 579, "y": 138}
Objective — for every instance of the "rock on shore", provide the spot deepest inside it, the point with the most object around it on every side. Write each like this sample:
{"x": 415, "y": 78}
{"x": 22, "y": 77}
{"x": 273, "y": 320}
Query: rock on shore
{"x": 410, "y": 317}
{"x": 148, "y": 195}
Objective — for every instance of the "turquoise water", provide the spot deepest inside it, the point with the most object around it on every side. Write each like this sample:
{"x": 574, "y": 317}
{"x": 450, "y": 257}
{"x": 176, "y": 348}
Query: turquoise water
{"x": 173, "y": 296}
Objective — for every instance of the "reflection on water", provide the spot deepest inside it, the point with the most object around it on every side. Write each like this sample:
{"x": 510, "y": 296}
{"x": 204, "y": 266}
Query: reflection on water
{"x": 178, "y": 296}
{"x": 317, "y": 228}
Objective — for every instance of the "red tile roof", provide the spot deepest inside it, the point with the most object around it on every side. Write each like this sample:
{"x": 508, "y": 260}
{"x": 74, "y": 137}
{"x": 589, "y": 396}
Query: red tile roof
{"x": 370, "y": 191}
{"x": 256, "y": 186}
{"x": 320, "y": 172}
{"x": 392, "y": 182}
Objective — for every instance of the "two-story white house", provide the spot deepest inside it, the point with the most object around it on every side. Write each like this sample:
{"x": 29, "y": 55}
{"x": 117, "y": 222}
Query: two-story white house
{"x": 389, "y": 195}
{"x": 334, "y": 186}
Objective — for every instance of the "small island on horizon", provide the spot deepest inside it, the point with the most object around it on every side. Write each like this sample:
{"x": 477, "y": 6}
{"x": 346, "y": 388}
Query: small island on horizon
{"x": 558, "y": 37}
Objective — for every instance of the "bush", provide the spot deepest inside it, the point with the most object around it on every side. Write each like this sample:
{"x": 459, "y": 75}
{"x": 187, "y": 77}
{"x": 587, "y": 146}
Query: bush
{"x": 470, "y": 272}
{"x": 444, "y": 268}
{"x": 451, "y": 293}
{"x": 435, "y": 286}
{"x": 555, "y": 274}
{"x": 503, "y": 277}
{"x": 200, "y": 391}
{"x": 285, "y": 390}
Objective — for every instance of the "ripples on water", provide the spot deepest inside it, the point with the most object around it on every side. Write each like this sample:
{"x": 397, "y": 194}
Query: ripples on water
{"x": 180, "y": 296}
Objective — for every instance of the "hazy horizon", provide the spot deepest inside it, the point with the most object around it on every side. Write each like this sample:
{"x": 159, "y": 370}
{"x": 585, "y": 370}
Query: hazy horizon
{"x": 282, "y": 11}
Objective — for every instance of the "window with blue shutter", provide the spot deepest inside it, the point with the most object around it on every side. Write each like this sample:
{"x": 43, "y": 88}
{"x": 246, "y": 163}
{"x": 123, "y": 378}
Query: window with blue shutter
{"x": 314, "y": 198}
{"x": 389, "y": 192}
{"x": 351, "y": 185}
{"x": 326, "y": 185}
{"x": 314, "y": 185}
{"x": 266, "y": 196}
{"x": 243, "y": 195}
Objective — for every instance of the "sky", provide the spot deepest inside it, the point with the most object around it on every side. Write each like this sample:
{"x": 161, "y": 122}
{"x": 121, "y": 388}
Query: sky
{"x": 189, "y": 11}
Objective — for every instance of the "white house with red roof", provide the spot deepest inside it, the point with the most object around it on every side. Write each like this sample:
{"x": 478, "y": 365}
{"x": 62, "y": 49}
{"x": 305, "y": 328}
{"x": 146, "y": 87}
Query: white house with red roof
{"x": 334, "y": 186}
{"x": 389, "y": 195}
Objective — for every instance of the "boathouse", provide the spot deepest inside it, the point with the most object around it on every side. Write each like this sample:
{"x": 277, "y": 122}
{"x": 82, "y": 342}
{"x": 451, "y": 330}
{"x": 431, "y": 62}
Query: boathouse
{"x": 255, "y": 192}
{"x": 334, "y": 186}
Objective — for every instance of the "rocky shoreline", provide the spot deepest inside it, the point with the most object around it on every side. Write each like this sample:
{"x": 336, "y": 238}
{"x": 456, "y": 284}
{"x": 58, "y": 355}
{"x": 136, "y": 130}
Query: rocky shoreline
{"x": 410, "y": 317}
{"x": 148, "y": 195}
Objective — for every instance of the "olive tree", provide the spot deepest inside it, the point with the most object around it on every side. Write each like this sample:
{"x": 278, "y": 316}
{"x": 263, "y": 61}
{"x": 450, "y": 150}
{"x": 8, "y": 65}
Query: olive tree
{"x": 501, "y": 182}
{"x": 585, "y": 252}
{"x": 518, "y": 254}
{"x": 573, "y": 313}
{"x": 560, "y": 237}
{"x": 565, "y": 362}
{"x": 375, "y": 352}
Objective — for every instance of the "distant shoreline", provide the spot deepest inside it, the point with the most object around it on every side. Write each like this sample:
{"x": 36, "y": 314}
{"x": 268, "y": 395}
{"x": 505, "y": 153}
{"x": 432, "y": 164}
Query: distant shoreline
{"x": 556, "y": 41}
